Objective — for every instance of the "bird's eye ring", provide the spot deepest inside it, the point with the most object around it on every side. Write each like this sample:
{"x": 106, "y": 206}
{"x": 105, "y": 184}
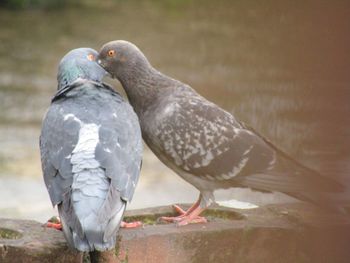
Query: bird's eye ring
{"x": 91, "y": 57}
{"x": 111, "y": 53}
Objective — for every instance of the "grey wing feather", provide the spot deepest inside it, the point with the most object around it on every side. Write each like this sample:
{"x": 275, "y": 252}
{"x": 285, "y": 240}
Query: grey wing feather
{"x": 119, "y": 152}
{"x": 56, "y": 144}
{"x": 120, "y": 149}
{"x": 112, "y": 211}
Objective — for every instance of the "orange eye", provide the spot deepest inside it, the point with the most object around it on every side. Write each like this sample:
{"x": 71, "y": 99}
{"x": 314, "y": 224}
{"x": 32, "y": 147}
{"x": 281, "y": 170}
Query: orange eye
{"x": 111, "y": 53}
{"x": 91, "y": 57}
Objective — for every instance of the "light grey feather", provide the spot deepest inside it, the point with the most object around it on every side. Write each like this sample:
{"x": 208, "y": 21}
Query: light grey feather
{"x": 90, "y": 185}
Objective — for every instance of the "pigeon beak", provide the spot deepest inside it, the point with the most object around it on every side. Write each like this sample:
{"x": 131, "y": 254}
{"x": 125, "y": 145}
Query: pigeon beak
{"x": 99, "y": 62}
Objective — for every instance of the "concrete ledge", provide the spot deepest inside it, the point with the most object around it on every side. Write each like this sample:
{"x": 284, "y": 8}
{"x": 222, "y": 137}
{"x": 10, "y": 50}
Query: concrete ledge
{"x": 283, "y": 233}
{"x": 28, "y": 241}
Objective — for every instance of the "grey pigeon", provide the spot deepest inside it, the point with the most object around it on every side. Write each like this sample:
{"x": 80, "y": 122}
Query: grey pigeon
{"x": 91, "y": 151}
{"x": 204, "y": 144}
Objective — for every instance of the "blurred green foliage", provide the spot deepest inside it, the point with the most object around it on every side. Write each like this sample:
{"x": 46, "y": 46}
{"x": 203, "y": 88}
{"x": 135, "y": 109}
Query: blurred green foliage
{"x": 27, "y": 4}
{"x": 52, "y": 4}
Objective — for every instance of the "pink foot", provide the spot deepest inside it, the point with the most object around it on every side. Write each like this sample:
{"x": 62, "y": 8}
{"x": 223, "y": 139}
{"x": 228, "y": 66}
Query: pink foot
{"x": 191, "y": 216}
{"x": 135, "y": 224}
{"x": 179, "y": 210}
{"x": 178, "y": 218}
{"x": 54, "y": 222}
{"x": 188, "y": 220}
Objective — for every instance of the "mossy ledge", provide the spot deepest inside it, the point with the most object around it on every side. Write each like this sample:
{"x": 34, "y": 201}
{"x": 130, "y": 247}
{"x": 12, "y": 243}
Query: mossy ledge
{"x": 265, "y": 234}
{"x": 6, "y": 233}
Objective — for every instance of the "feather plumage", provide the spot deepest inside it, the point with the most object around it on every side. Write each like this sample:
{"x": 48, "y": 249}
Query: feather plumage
{"x": 201, "y": 142}
{"x": 91, "y": 161}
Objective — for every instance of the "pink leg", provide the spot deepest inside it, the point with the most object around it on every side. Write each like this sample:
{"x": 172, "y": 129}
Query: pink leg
{"x": 135, "y": 224}
{"x": 55, "y": 223}
{"x": 182, "y": 213}
{"x": 193, "y": 217}
{"x": 57, "y": 226}
{"x": 186, "y": 217}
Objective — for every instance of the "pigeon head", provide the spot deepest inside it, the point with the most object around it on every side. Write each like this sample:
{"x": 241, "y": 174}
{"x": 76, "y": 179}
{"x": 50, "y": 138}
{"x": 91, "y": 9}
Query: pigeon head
{"x": 79, "y": 63}
{"x": 122, "y": 58}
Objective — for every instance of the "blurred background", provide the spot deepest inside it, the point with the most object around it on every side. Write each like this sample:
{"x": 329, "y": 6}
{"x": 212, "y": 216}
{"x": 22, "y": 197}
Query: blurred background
{"x": 283, "y": 67}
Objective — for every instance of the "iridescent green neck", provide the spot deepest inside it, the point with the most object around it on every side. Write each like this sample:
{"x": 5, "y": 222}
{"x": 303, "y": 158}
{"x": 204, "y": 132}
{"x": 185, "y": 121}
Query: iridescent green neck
{"x": 68, "y": 73}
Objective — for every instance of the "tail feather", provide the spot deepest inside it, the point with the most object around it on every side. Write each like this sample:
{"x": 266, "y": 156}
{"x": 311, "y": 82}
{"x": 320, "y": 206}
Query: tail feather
{"x": 67, "y": 231}
{"x": 286, "y": 166}
{"x": 313, "y": 189}
{"x": 311, "y": 178}
{"x": 97, "y": 207}
{"x": 114, "y": 224}
{"x": 321, "y": 200}
{"x": 96, "y": 204}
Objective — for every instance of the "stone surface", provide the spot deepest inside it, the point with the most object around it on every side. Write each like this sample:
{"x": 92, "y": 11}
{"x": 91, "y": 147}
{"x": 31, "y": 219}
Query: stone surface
{"x": 33, "y": 243}
{"x": 284, "y": 233}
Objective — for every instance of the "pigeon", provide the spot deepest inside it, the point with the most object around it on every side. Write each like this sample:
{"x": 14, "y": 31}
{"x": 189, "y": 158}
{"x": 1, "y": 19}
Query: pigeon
{"x": 91, "y": 150}
{"x": 204, "y": 144}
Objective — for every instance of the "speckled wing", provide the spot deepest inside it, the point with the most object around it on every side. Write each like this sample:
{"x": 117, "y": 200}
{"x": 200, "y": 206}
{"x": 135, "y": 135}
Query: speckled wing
{"x": 206, "y": 142}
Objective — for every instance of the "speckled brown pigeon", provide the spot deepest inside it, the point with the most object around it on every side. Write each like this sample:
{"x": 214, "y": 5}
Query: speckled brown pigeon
{"x": 201, "y": 142}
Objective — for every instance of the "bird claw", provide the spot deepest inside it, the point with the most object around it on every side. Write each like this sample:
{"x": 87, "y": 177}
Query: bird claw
{"x": 187, "y": 220}
{"x": 135, "y": 224}
{"x": 178, "y": 218}
{"x": 191, "y": 216}
{"x": 54, "y": 222}
{"x": 53, "y": 225}
{"x": 184, "y": 220}
{"x": 179, "y": 210}
{"x": 171, "y": 219}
